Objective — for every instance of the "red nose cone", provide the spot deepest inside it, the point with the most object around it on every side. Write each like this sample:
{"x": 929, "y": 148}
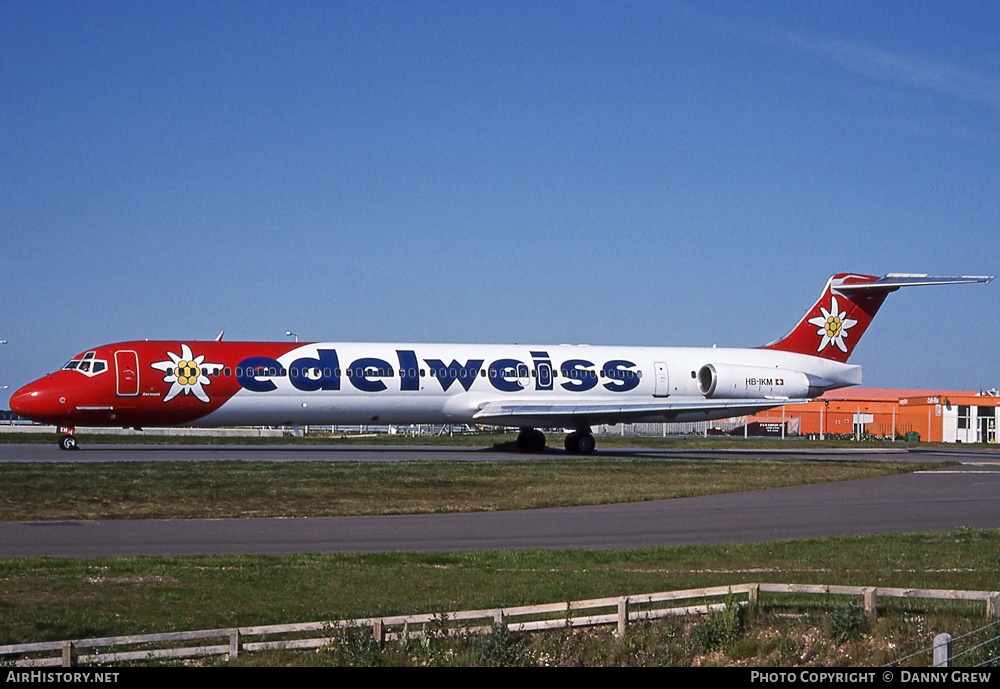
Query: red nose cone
{"x": 39, "y": 401}
{"x": 21, "y": 402}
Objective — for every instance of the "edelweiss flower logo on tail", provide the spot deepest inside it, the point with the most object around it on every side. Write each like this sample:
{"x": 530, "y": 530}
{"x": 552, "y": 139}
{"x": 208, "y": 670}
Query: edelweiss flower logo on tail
{"x": 833, "y": 326}
{"x": 186, "y": 373}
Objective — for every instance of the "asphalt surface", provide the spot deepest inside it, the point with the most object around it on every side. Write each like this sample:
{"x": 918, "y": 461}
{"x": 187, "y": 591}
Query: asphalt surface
{"x": 964, "y": 496}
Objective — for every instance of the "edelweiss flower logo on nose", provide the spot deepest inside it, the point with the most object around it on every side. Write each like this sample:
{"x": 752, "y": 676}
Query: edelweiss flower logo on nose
{"x": 833, "y": 326}
{"x": 186, "y": 373}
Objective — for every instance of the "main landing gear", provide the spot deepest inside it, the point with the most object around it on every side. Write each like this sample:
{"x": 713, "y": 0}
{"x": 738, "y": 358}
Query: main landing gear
{"x": 530, "y": 440}
{"x": 67, "y": 439}
{"x": 580, "y": 442}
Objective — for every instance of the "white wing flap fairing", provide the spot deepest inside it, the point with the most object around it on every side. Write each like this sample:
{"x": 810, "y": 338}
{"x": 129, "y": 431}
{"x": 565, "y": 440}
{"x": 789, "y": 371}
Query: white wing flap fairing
{"x": 499, "y": 411}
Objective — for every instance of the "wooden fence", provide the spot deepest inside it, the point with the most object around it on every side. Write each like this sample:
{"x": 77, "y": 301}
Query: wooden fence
{"x": 620, "y": 611}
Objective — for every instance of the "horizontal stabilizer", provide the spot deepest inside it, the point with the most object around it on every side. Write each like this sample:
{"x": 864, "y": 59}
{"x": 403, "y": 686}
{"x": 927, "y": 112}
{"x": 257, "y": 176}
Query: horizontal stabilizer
{"x": 894, "y": 281}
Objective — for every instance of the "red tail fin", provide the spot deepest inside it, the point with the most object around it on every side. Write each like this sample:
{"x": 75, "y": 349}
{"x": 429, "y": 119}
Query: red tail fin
{"x": 834, "y": 325}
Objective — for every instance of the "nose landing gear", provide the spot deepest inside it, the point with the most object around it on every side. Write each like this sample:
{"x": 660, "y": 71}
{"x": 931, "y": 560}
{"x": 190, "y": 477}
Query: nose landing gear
{"x": 67, "y": 439}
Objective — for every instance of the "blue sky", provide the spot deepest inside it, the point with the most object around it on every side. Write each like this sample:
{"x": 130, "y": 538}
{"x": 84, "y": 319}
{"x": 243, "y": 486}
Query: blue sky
{"x": 681, "y": 173}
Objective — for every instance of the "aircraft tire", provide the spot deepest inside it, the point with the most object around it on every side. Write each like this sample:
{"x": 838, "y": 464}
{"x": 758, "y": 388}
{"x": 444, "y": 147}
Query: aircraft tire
{"x": 570, "y": 443}
{"x": 67, "y": 442}
{"x": 580, "y": 443}
{"x": 531, "y": 440}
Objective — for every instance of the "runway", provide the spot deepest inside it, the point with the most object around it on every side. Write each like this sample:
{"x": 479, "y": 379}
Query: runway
{"x": 963, "y": 496}
{"x": 398, "y": 453}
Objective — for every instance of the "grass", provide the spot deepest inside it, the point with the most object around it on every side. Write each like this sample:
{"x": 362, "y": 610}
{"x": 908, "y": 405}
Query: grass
{"x": 51, "y": 599}
{"x": 236, "y": 489}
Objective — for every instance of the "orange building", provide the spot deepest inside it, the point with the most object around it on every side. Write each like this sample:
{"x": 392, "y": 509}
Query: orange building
{"x": 938, "y": 416}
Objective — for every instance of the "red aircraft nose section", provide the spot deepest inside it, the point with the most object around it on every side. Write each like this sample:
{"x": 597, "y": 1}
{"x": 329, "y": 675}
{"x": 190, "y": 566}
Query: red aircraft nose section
{"x": 21, "y": 402}
{"x": 40, "y": 401}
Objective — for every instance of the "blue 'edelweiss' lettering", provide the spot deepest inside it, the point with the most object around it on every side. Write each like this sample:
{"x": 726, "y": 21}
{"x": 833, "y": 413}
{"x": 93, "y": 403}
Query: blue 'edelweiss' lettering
{"x": 504, "y": 374}
{"x": 367, "y": 374}
{"x": 362, "y": 370}
{"x": 250, "y": 368}
{"x": 316, "y": 374}
{"x": 543, "y": 370}
{"x": 449, "y": 373}
{"x": 580, "y": 373}
{"x": 621, "y": 375}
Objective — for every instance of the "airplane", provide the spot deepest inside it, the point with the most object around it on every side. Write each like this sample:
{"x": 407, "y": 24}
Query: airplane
{"x": 218, "y": 383}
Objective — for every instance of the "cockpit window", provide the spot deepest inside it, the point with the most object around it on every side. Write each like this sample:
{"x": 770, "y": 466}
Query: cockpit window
{"x": 88, "y": 364}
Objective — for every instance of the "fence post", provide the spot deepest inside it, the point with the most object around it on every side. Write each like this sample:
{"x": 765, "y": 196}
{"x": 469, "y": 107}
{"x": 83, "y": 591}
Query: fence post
{"x": 234, "y": 643}
{"x": 67, "y": 654}
{"x": 753, "y": 595}
{"x": 993, "y": 605}
{"x": 871, "y": 602}
{"x": 378, "y": 631}
{"x": 622, "y": 616}
{"x": 942, "y": 650}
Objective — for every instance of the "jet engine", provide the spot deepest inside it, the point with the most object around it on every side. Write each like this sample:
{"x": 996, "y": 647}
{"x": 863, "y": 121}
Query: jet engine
{"x": 730, "y": 381}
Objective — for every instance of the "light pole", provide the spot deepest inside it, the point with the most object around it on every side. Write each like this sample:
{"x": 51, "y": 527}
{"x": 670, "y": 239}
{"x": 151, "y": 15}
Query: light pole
{"x": 3, "y": 342}
{"x": 289, "y": 333}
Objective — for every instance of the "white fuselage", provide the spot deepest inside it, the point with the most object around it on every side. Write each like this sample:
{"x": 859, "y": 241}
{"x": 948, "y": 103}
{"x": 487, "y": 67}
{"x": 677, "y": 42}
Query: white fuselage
{"x": 361, "y": 383}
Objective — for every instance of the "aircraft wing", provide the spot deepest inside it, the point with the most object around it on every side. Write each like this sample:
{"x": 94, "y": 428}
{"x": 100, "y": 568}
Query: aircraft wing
{"x": 570, "y": 413}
